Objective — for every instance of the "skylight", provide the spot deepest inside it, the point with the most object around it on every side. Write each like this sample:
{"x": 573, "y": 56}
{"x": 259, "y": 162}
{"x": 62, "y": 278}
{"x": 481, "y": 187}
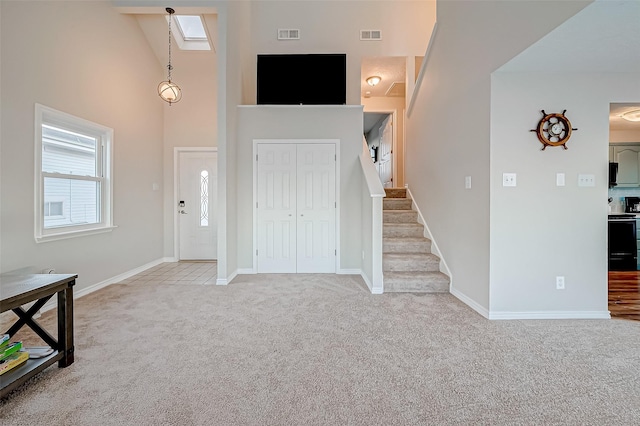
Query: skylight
{"x": 191, "y": 34}
{"x": 191, "y": 27}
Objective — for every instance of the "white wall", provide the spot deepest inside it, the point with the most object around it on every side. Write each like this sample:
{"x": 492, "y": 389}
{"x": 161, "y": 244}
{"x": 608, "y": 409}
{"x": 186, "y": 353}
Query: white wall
{"x": 233, "y": 65}
{"x": 303, "y": 122}
{"x": 334, "y": 27}
{"x": 447, "y": 132}
{"x": 539, "y": 230}
{"x": 86, "y": 59}
{"x": 192, "y": 122}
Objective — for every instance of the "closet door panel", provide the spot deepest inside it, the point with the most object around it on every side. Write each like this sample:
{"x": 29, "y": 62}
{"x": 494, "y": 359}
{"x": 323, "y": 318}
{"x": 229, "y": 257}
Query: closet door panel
{"x": 276, "y": 209}
{"x": 316, "y": 208}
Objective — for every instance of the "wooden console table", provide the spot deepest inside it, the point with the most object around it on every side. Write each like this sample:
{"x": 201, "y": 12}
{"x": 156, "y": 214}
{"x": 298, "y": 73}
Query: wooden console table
{"x": 18, "y": 290}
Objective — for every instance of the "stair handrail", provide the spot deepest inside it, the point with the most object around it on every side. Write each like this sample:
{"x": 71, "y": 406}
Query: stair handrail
{"x": 373, "y": 193}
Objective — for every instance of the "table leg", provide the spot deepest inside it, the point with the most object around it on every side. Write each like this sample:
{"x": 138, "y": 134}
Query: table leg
{"x": 65, "y": 325}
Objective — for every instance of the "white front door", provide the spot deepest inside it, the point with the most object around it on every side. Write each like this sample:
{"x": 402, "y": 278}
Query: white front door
{"x": 197, "y": 205}
{"x": 386, "y": 144}
{"x": 296, "y": 208}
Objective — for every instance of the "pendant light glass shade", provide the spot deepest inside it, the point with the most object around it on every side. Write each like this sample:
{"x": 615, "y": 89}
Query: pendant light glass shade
{"x": 169, "y": 91}
{"x": 373, "y": 80}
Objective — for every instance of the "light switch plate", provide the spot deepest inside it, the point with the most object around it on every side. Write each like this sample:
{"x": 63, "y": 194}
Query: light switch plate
{"x": 586, "y": 180}
{"x": 508, "y": 179}
{"x": 467, "y": 182}
{"x": 559, "y": 179}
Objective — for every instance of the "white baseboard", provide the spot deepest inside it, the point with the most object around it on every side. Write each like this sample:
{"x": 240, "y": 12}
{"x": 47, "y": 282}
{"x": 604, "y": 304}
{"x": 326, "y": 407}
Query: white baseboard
{"x": 366, "y": 279}
{"x": 226, "y": 281}
{"x": 470, "y": 302}
{"x": 53, "y": 302}
{"x": 352, "y": 271}
{"x": 528, "y": 315}
{"x": 493, "y": 315}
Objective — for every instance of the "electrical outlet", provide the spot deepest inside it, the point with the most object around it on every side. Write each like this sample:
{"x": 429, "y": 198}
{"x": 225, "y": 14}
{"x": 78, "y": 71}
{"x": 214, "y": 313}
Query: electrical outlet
{"x": 559, "y": 179}
{"x": 559, "y": 283}
{"x": 467, "y": 182}
{"x": 586, "y": 180}
{"x": 508, "y": 179}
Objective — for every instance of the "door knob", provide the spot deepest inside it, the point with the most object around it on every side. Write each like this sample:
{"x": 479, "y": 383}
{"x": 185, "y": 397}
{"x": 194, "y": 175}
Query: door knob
{"x": 182, "y": 212}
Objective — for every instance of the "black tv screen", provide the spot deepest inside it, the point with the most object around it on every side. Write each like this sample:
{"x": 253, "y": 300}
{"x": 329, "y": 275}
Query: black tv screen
{"x": 302, "y": 79}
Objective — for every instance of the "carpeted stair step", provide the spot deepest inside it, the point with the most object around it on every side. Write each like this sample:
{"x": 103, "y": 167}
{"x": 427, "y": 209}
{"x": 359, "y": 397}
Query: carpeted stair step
{"x": 396, "y": 204}
{"x": 402, "y": 230}
{"x": 399, "y": 216}
{"x": 406, "y": 245}
{"x": 396, "y": 192}
{"x": 410, "y": 262}
{"x": 416, "y": 282}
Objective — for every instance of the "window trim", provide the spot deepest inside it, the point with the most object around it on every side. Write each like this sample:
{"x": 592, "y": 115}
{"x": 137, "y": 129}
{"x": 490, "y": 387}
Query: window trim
{"x": 104, "y": 135}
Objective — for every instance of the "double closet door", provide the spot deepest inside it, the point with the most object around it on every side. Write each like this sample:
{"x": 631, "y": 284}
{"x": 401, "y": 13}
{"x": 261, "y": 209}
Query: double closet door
{"x": 296, "y": 207}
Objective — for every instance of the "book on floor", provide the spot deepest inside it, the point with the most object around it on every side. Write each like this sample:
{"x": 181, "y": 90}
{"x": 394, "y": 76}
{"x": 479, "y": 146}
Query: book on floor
{"x": 4, "y": 340}
{"x": 12, "y": 361}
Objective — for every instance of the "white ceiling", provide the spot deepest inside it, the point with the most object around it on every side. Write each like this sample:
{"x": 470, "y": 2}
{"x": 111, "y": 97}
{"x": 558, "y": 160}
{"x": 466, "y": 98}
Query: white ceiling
{"x": 391, "y": 69}
{"x": 618, "y": 123}
{"x": 603, "y": 37}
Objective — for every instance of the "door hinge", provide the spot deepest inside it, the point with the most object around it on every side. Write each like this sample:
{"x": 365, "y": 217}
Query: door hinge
{"x": 256, "y": 252}
{"x": 335, "y": 157}
{"x": 335, "y": 204}
{"x": 335, "y": 252}
{"x": 256, "y": 204}
{"x": 256, "y": 157}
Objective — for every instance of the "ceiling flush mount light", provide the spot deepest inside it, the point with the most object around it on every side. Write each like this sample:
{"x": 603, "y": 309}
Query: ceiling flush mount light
{"x": 633, "y": 115}
{"x": 373, "y": 80}
{"x": 169, "y": 91}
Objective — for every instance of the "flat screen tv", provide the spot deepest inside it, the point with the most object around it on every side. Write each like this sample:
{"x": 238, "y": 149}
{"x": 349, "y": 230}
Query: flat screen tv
{"x": 302, "y": 79}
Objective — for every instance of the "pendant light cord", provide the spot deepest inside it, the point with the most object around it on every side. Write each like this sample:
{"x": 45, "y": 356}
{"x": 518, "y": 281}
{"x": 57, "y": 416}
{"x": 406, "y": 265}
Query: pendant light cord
{"x": 169, "y": 67}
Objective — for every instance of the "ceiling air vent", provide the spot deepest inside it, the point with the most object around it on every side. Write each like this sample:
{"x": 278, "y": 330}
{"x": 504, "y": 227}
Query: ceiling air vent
{"x": 370, "y": 35}
{"x": 288, "y": 34}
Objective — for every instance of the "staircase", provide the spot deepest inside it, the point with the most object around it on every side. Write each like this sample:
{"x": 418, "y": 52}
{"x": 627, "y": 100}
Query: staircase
{"x": 407, "y": 262}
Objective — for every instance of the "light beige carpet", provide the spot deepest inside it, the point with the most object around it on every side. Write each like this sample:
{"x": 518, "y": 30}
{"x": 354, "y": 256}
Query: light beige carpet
{"x": 321, "y": 350}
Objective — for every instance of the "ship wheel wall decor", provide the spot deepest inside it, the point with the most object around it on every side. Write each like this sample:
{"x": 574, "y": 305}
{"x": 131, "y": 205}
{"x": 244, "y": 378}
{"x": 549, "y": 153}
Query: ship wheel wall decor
{"x": 553, "y": 130}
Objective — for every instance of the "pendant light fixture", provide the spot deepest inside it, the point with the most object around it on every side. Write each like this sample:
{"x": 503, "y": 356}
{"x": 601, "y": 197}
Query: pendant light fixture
{"x": 169, "y": 91}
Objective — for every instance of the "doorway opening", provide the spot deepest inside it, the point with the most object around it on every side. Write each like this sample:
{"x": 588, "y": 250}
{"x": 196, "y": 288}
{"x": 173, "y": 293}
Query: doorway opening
{"x": 624, "y": 211}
